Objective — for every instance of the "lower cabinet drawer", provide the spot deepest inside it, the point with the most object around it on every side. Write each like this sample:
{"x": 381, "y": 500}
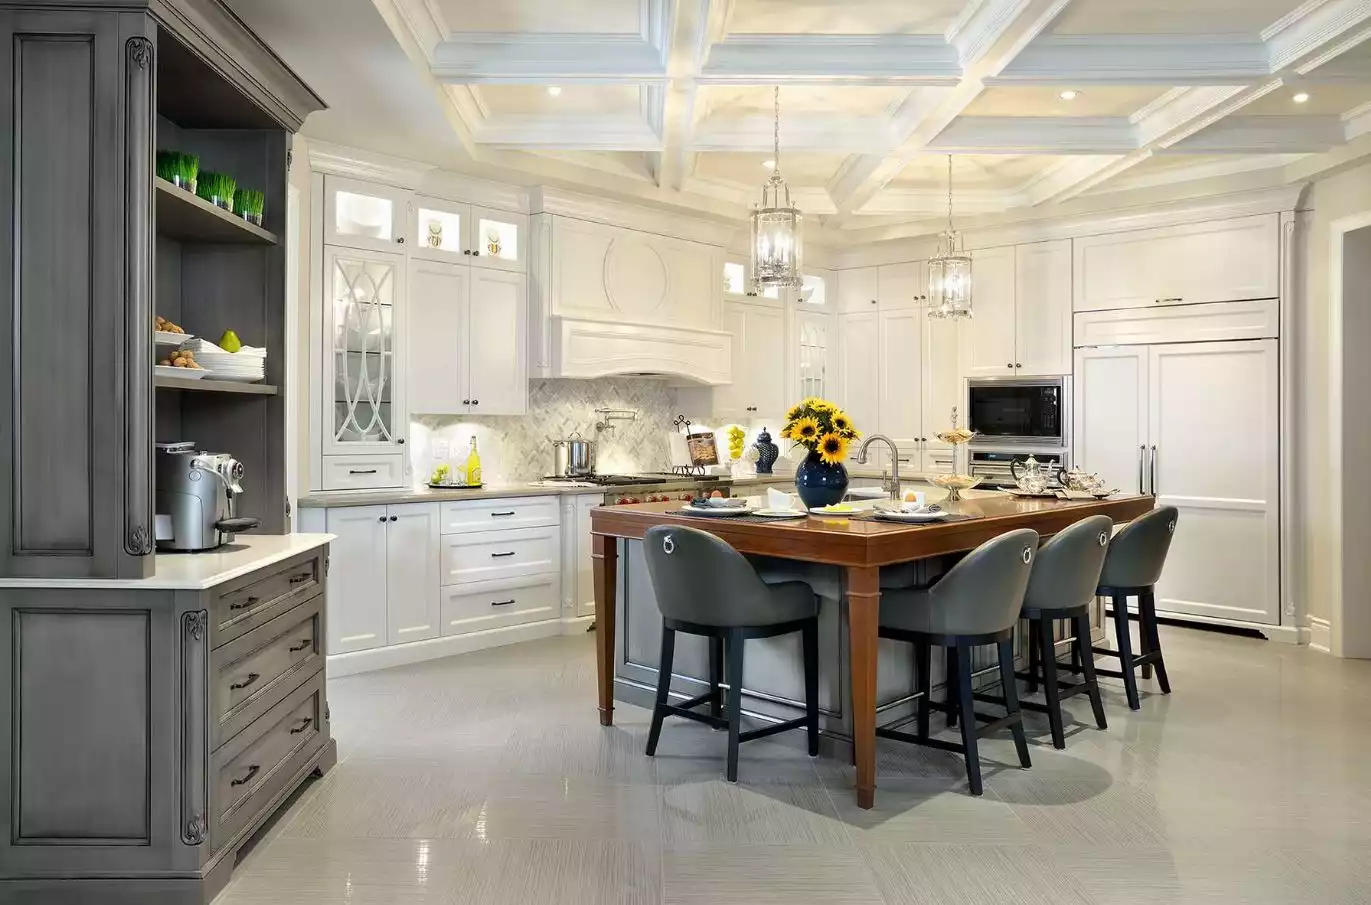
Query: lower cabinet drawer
{"x": 257, "y": 764}
{"x": 363, "y": 472}
{"x": 253, "y": 672}
{"x": 488, "y": 555}
{"x": 255, "y": 599}
{"x": 459, "y": 516}
{"x": 481, "y": 605}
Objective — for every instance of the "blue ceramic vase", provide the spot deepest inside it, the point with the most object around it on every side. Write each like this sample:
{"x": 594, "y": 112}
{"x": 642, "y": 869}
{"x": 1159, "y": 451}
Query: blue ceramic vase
{"x": 767, "y": 452}
{"x": 820, "y": 484}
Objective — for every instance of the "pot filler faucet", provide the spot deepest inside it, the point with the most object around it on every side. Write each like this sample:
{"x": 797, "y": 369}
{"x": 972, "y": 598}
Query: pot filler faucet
{"x": 893, "y": 485}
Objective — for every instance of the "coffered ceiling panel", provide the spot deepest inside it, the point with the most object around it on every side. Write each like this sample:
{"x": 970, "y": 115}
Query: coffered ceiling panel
{"x": 1324, "y": 100}
{"x": 836, "y": 17}
{"x": 1005, "y": 172}
{"x": 799, "y": 100}
{"x": 540, "y": 16}
{"x": 568, "y": 99}
{"x": 747, "y": 170}
{"x": 1037, "y": 100}
{"x": 1172, "y": 17}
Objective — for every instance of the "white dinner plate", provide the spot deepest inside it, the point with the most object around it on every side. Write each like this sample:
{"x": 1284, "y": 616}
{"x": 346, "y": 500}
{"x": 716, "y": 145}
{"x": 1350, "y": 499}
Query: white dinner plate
{"x": 184, "y": 373}
{"x": 169, "y": 338}
{"x": 711, "y": 512}
{"x": 897, "y": 516}
{"x": 780, "y": 513}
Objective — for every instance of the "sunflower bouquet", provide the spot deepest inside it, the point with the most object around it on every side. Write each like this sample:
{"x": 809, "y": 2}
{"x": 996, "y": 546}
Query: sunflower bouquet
{"x": 822, "y": 428}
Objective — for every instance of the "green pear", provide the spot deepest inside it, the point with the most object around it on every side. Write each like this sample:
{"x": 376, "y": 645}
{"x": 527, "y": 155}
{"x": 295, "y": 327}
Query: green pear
{"x": 230, "y": 342}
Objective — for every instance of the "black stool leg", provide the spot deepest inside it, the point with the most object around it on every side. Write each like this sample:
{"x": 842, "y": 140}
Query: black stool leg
{"x": 663, "y": 688}
{"x": 1011, "y": 700}
{"x": 1125, "y": 642}
{"x": 810, "y": 637}
{"x": 923, "y": 682}
{"x": 735, "y": 699}
{"x": 966, "y": 703}
{"x": 716, "y": 676}
{"x": 1147, "y": 610}
{"x": 950, "y": 685}
{"x": 1077, "y": 652}
{"x": 1048, "y": 657}
{"x": 1144, "y": 638}
{"x": 1087, "y": 659}
{"x": 1034, "y": 630}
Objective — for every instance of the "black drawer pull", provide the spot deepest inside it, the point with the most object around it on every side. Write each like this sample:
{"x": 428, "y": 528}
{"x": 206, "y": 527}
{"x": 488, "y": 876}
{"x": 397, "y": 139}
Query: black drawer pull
{"x": 303, "y": 576}
{"x": 499, "y": 514}
{"x": 251, "y": 601}
{"x": 361, "y": 471}
{"x": 252, "y": 771}
{"x": 502, "y": 602}
{"x": 252, "y": 677}
{"x": 296, "y": 648}
{"x": 498, "y": 555}
{"x": 304, "y": 724}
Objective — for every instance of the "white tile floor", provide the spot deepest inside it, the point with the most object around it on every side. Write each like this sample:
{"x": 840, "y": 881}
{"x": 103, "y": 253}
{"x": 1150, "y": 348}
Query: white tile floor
{"x": 485, "y": 778}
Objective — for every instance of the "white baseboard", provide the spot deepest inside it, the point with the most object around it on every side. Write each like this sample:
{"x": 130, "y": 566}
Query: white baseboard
{"x": 576, "y": 625}
{"x": 1285, "y": 634}
{"x": 418, "y": 651}
{"x": 1320, "y": 634}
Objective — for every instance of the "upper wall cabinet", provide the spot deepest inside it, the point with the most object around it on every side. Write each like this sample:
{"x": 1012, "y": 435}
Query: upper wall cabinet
{"x": 858, "y": 289}
{"x": 452, "y": 231}
{"x": 903, "y": 286}
{"x": 1215, "y": 261}
{"x": 1021, "y": 296}
{"x": 364, "y": 214}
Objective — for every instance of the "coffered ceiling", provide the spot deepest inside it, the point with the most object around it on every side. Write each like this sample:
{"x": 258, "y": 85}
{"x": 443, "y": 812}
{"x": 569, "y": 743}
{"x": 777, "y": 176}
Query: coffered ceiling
{"x": 1039, "y": 101}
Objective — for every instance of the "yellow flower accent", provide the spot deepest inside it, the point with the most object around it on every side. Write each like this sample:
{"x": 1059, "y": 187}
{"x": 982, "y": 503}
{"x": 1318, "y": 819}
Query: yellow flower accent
{"x": 785, "y": 432}
{"x": 795, "y": 412}
{"x": 823, "y": 405}
{"x": 832, "y": 448}
{"x": 805, "y": 430}
{"x": 841, "y": 422}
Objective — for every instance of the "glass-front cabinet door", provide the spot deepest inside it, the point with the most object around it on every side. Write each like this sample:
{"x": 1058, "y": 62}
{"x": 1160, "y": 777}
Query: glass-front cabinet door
{"x": 364, "y": 214}
{"x": 498, "y": 239}
{"x": 815, "y": 347}
{"x": 363, "y": 321}
{"x": 438, "y": 229}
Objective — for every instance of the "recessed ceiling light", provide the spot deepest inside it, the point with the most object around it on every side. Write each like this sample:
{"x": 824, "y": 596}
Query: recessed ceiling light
{"x": 1301, "y": 98}
{"x": 1069, "y": 94}
{"x": 769, "y": 164}
{"x": 554, "y": 90}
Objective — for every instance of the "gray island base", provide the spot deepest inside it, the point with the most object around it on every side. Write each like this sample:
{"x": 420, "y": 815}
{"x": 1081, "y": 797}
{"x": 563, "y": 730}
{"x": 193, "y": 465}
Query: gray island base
{"x": 153, "y": 725}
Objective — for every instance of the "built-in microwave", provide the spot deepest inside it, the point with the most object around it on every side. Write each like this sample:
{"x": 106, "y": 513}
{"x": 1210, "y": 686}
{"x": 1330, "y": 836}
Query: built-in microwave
{"x": 1020, "y": 411}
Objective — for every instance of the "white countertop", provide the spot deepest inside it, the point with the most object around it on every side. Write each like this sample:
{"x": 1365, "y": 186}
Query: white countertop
{"x": 196, "y": 571}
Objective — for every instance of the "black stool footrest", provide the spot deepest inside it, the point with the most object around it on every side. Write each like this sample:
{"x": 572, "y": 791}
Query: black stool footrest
{"x": 773, "y": 729}
{"x": 716, "y": 722}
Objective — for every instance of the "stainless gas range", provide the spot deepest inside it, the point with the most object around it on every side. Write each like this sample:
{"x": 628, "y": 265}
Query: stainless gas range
{"x": 646, "y": 488}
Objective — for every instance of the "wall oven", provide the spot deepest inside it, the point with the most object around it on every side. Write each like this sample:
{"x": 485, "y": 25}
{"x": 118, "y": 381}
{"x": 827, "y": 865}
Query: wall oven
{"x": 1027, "y": 412}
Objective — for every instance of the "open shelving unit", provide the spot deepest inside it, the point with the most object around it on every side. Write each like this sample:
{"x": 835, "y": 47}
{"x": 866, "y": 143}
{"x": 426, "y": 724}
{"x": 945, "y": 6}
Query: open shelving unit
{"x": 209, "y": 385}
{"x": 190, "y": 218}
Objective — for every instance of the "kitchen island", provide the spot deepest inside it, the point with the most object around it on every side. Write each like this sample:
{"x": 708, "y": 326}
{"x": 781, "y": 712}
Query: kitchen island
{"x": 626, "y": 664}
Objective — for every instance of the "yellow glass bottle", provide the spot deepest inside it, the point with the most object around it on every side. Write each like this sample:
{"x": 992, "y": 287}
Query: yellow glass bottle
{"x": 473, "y": 466}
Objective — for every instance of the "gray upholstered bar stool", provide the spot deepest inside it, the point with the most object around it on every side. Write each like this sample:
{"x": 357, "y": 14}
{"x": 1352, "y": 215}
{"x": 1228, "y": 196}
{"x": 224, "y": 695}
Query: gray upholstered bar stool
{"x": 977, "y": 602}
{"x": 705, "y": 587}
{"x": 1132, "y": 567}
{"x": 1062, "y": 587}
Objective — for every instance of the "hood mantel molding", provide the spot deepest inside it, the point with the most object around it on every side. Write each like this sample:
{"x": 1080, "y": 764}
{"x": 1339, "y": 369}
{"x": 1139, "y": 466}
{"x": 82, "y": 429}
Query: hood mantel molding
{"x": 589, "y": 348}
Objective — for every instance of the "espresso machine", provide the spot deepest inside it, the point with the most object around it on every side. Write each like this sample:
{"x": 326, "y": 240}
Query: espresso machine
{"x": 197, "y": 497}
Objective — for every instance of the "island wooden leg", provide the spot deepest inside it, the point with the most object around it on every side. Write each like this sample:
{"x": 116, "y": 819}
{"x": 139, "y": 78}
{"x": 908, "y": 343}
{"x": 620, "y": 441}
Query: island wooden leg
{"x": 863, "y": 617}
{"x": 605, "y": 556}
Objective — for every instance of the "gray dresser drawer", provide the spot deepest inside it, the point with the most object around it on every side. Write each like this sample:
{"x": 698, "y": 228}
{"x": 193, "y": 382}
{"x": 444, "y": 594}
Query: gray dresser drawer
{"x": 245, "y": 603}
{"x": 252, "y": 672}
{"x": 259, "y": 763}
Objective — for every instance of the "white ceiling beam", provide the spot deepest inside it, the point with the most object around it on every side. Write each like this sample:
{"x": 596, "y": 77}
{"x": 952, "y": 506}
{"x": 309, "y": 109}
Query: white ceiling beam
{"x": 1037, "y": 135}
{"x": 539, "y": 59}
{"x": 985, "y": 40}
{"x": 833, "y": 59}
{"x": 1356, "y": 123}
{"x": 1316, "y": 33}
{"x": 1137, "y": 60}
{"x": 1264, "y": 135}
{"x": 694, "y": 27}
{"x": 810, "y": 133}
{"x": 1072, "y": 177}
{"x": 568, "y": 132}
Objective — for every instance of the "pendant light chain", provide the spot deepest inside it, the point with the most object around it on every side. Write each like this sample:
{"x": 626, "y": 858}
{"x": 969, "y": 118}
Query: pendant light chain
{"x": 949, "y": 193}
{"x": 776, "y": 131}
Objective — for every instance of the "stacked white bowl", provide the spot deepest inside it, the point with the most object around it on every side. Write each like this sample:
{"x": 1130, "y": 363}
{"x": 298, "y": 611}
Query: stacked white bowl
{"x": 248, "y": 364}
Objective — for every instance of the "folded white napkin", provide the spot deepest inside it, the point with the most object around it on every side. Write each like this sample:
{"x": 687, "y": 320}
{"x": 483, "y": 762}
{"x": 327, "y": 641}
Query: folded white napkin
{"x": 779, "y": 499}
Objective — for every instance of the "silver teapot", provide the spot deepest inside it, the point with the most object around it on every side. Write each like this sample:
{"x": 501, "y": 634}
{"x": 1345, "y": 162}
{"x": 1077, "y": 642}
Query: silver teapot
{"x": 1079, "y": 479}
{"x": 1031, "y": 476}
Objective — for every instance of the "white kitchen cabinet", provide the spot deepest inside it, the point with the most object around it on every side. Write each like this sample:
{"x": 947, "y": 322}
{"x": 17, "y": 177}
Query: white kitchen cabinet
{"x": 364, "y": 215}
{"x": 900, "y": 407}
{"x": 859, "y": 368}
{"x": 943, "y": 385}
{"x": 363, "y": 330}
{"x": 1042, "y": 309}
{"x": 1214, "y": 261}
{"x": 585, "y": 563}
{"x": 858, "y": 289}
{"x": 1197, "y": 425}
{"x": 463, "y": 233}
{"x": 467, "y": 348}
{"x": 357, "y": 578}
{"x": 411, "y": 572}
{"x": 813, "y": 352}
{"x": 902, "y": 285}
{"x": 990, "y": 341}
{"x": 759, "y": 359}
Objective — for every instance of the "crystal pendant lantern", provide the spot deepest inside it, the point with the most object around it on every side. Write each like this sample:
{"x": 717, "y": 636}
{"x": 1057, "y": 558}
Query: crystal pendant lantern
{"x": 777, "y": 237}
{"x": 949, "y": 271}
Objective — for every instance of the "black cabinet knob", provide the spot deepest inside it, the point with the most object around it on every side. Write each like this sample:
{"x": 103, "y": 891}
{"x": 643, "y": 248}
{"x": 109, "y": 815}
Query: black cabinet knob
{"x": 401, "y": 240}
{"x": 1009, "y": 364}
{"x": 400, "y": 440}
{"x": 466, "y": 402}
{"x": 476, "y": 253}
{"x": 475, "y": 402}
{"x": 466, "y": 251}
{"x": 381, "y": 519}
{"x": 395, "y": 518}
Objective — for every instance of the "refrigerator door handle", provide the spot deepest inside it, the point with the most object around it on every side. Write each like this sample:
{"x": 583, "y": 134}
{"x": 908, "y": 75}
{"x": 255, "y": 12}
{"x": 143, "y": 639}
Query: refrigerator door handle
{"x": 1141, "y": 451}
{"x": 1153, "y": 480}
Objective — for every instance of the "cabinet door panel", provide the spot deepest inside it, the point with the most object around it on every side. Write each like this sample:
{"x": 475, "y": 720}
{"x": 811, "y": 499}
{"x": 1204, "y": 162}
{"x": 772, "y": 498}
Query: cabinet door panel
{"x": 438, "y": 230}
{"x": 759, "y": 356}
{"x": 437, "y": 340}
{"x": 357, "y": 581}
{"x": 412, "y": 572}
{"x": 498, "y": 240}
{"x": 585, "y": 564}
{"x": 364, "y": 214}
{"x": 1043, "y": 308}
{"x": 857, "y": 289}
{"x": 1214, "y": 425}
{"x": 363, "y": 329}
{"x": 814, "y": 346}
{"x": 903, "y": 285}
{"x": 859, "y": 369}
{"x": 901, "y": 380}
{"x": 944, "y": 386}
{"x": 498, "y": 337}
{"x": 1111, "y": 415}
{"x": 990, "y": 338}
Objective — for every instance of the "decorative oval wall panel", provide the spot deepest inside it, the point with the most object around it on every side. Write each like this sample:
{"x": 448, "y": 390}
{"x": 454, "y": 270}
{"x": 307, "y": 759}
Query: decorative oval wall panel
{"x": 636, "y": 278}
